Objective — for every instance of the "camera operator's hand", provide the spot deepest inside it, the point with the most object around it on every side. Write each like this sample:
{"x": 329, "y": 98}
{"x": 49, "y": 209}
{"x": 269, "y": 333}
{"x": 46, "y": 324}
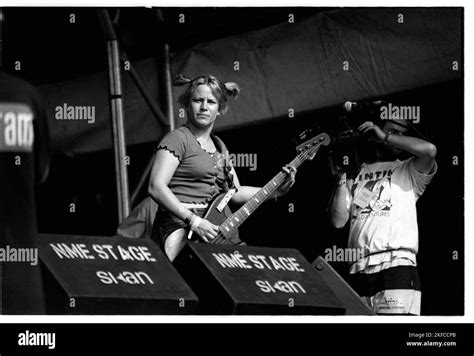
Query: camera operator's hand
{"x": 376, "y": 132}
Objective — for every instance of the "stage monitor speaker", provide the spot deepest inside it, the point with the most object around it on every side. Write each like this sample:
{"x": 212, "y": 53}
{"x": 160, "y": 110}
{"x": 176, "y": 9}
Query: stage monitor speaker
{"x": 111, "y": 275}
{"x": 248, "y": 280}
{"x": 348, "y": 296}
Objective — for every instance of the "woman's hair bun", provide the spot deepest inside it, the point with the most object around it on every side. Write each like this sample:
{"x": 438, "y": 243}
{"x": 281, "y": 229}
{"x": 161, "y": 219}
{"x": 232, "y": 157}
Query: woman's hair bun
{"x": 232, "y": 89}
{"x": 180, "y": 80}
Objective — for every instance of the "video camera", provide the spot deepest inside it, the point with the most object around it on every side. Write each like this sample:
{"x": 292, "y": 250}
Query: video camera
{"x": 348, "y": 148}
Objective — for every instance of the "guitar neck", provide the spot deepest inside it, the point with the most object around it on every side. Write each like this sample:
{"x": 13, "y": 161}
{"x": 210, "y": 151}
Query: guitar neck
{"x": 229, "y": 226}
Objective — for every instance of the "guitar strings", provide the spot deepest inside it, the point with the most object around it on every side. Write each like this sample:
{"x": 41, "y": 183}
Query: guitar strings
{"x": 220, "y": 234}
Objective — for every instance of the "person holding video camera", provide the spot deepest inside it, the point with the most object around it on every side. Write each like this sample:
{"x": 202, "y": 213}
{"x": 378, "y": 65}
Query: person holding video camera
{"x": 380, "y": 203}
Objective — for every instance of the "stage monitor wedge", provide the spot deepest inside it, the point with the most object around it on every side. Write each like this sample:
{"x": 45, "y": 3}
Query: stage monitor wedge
{"x": 347, "y": 295}
{"x": 245, "y": 280}
{"x": 111, "y": 275}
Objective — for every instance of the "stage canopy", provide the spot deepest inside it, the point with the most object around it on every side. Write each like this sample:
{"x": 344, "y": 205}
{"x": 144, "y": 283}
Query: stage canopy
{"x": 311, "y": 63}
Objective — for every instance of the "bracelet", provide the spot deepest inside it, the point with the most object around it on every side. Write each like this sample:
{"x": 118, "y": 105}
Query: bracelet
{"x": 188, "y": 218}
{"x": 195, "y": 222}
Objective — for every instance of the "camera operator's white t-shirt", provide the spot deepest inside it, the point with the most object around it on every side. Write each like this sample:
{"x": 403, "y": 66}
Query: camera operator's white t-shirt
{"x": 383, "y": 214}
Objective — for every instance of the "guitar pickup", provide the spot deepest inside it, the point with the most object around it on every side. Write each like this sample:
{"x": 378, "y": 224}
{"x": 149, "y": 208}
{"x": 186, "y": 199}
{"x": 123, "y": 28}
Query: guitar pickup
{"x": 223, "y": 203}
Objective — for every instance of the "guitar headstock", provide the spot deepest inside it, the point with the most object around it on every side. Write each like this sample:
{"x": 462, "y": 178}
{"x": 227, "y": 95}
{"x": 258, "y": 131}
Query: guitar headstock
{"x": 310, "y": 147}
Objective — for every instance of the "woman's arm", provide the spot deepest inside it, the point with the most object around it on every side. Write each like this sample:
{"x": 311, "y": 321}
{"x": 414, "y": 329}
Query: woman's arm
{"x": 164, "y": 167}
{"x": 246, "y": 192}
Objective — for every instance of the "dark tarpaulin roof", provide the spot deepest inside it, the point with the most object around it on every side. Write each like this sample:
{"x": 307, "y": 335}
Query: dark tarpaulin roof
{"x": 299, "y": 65}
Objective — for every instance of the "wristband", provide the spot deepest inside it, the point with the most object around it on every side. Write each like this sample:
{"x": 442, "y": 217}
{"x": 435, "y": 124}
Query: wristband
{"x": 195, "y": 221}
{"x": 188, "y": 218}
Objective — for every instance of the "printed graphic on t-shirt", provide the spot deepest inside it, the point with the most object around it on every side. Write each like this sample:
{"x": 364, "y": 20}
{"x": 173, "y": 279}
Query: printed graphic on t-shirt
{"x": 377, "y": 188}
{"x": 16, "y": 128}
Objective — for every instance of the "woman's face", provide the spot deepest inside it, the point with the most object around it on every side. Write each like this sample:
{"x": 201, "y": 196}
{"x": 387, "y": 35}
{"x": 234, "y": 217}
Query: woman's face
{"x": 204, "y": 107}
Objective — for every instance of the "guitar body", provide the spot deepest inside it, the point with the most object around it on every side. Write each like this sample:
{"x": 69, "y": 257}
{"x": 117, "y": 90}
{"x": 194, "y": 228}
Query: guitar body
{"x": 217, "y": 218}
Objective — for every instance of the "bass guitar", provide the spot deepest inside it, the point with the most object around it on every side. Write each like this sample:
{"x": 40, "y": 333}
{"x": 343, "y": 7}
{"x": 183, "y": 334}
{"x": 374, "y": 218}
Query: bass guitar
{"x": 219, "y": 213}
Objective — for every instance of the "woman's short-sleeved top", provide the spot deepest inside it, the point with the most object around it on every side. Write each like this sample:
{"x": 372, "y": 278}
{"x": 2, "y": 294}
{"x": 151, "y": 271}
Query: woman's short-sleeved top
{"x": 200, "y": 175}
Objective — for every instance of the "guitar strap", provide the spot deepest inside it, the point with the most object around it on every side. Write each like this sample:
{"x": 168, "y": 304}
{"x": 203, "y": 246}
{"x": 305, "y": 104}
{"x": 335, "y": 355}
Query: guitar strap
{"x": 229, "y": 182}
{"x": 229, "y": 177}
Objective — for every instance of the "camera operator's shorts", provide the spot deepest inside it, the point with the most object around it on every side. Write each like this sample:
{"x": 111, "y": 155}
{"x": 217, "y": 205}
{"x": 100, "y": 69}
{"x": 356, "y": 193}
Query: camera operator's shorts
{"x": 392, "y": 291}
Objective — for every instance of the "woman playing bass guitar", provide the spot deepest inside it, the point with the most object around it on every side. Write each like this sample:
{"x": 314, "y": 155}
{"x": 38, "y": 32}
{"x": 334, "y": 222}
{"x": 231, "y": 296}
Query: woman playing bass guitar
{"x": 190, "y": 167}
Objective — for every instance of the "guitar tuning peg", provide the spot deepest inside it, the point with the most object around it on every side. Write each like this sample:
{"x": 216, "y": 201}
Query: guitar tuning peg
{"x": 312, "y": 156}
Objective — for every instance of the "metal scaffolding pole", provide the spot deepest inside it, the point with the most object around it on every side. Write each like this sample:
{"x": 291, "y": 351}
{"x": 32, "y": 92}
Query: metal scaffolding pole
{"x": 115, "y": 87}
{"x": 163, "y": 122}
{"x": 165, "y": 69}
{"x": 165, "y": 74}
{"x": 162, "y": 119}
